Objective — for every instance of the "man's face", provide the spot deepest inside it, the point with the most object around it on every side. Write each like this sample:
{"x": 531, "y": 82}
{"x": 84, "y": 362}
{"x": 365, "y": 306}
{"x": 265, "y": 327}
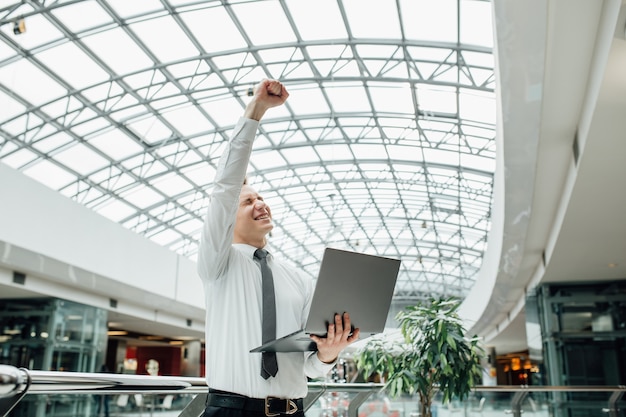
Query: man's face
{"x": 254, "y": 218}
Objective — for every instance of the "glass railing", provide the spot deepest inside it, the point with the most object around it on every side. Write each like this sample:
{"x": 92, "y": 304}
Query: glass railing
{"x": 72, "y": 394}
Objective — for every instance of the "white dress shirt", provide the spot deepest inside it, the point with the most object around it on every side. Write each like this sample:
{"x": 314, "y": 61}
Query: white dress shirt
{"x": 233, "y": 294}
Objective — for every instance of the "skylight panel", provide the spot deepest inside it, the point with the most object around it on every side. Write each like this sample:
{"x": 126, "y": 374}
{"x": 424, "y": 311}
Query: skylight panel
{"x": 145, "y": 79}
{"x": 90, "y": 12}
{"x": 116, "y": 210}
{"x": 291, "y": 70}
{"x": 82, "y": 70}
{"x": 279, "y": 31}
{"x": 224, "y": 112}
{"x": 30, "y": 82}
{"x": 347, "y": 98}
{"x": 369, "y": 151}
{"x": 477, "y": 143}
{"x": 168, "y": 103}
{"x": 50, "y": 174}
{"x": 81, "y": 159}
{"x": 436, "y": 99}
{"x": 83, "y": 192}
{"x": 478, "y": 162}
{"x": 9, "y": 107}
{"x": 309, "y": 100}
{"x": 373, "y": 18}
{"x": 151, "y": 130}
{"x": 380, "y": 53}
{"x": 127, "y": 8}
{"x": 214, "y": 29}
{"x": 281, "y": 126}
{"x": 392, "y": 98}
{"x": 165, "y": 237}
{"x": 129, "y": 113}
{"x": 52, "y": 142}
{"x": 300, "y": 155}
{"x": 112, "y": 179}
{"x": 142, "y": 196}
{"x": 476, "y": 27}
{"x": 478, "y": 59}
{"x": 125, "y": 58}
{"x": 116, "y": 144}
{"x": 405, "y": 153}
{"x": 249, "y": 76}
{"x": 171, "y": 184}
{"x": 404, "y": 134}
{"x": 165, "y": 39}
{"x": 5, "y": 50}
{"x": 188, "y": 70}
{"x": 189, "y": 226}
{"x": 441, "y": 157}
{"x": 81, "y": 115}
{"x": 428, "y": 124}
{"x": 188, "y": 120}
{"x": 316, "y": 20}
{"x": 200, "y": 173}
{"x": 281, "y": 55}
{"x": 476, "y": 106}
{"x": 104, "y": 94}
{"x": 19, "y": 158}
{"x": 430, "y": 20}
{"x": 88, "y": 127}
{"x": 267, "y": 160}
{"x": 331, "y": 153}
{"x": 236, "y": 61}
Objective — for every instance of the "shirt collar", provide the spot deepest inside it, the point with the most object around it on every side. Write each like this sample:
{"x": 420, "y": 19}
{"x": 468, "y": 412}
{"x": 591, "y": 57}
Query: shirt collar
{"x": 248, "y": 250}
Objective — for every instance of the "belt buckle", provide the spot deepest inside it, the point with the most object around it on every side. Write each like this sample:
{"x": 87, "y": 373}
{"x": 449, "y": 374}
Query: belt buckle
{"x": 290, "y": 407}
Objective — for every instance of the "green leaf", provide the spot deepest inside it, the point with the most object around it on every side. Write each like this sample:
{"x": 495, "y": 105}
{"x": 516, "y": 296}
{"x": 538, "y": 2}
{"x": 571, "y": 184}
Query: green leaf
{"x": 434, "y": 352}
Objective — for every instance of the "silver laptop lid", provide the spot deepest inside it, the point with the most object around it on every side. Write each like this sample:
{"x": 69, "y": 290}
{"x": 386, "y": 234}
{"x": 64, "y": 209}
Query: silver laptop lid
{"x": 353, "y": 282}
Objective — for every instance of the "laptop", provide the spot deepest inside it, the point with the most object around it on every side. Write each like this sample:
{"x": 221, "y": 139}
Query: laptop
{"x": 359, "y": 284}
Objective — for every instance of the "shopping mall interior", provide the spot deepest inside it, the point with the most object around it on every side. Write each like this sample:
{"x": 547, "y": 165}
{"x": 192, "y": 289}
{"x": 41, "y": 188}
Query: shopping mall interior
{"x": 481, "y": 143}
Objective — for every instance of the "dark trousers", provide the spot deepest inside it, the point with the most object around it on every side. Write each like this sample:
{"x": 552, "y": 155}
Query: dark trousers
{"x": 221, "y": 411}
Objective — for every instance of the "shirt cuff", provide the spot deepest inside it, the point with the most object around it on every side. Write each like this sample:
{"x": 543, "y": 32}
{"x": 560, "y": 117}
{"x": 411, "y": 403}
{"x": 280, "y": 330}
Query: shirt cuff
{"x": 320, "y": 368}
{"x": 245, "y": 128}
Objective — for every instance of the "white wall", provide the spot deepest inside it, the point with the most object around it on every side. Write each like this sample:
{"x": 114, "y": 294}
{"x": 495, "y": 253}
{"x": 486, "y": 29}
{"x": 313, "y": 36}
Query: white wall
{"x": 68, "y": 246}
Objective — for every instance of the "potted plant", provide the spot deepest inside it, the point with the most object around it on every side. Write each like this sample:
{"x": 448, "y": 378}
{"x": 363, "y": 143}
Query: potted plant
{"x": 433, "y": 354}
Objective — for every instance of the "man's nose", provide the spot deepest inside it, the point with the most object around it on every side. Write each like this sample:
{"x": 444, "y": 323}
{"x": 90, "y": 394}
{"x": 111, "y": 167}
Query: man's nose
{"x": 260, "y": 204}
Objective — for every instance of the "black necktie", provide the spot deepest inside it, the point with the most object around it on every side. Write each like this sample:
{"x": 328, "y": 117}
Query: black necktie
{"x": 269, "y": 365}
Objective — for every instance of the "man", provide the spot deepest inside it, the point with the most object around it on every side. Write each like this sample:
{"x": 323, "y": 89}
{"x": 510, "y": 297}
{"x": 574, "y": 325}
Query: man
{"x": 237, "y": 224}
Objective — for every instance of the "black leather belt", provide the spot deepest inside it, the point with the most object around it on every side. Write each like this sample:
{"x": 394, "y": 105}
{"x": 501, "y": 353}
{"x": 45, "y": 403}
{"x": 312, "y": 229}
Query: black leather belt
{"x": 269, "y": 406}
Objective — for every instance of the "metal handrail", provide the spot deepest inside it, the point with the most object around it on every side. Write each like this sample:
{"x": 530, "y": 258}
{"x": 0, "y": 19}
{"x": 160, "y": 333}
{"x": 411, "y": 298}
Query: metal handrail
{"x": 15, "y": 383}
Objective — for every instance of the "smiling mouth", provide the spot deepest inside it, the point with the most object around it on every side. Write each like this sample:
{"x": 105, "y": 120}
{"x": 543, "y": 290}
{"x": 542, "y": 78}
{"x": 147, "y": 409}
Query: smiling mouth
{"x": 263, "y": 217}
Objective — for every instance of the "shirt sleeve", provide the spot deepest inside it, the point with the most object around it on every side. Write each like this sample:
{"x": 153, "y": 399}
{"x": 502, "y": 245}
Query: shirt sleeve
{"x": 315, "y": 368}
{"x": 219, "y": 221}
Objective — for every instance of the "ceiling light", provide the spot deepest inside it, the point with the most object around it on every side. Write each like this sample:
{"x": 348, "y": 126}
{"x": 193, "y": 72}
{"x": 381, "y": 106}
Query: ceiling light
{"x": 117, "y": 333}
{"x": 19, "y": 27}
{"x": 13, "y": 331}
{"x": 612, "y": 265}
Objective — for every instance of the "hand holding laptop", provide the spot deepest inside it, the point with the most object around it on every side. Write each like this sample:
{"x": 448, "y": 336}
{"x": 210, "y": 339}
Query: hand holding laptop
{"x": 339, "y": 336}
{"x": 357, "y": 283}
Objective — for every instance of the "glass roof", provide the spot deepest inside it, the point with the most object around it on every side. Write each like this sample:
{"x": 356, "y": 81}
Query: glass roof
{"x": 385, "y": 146}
